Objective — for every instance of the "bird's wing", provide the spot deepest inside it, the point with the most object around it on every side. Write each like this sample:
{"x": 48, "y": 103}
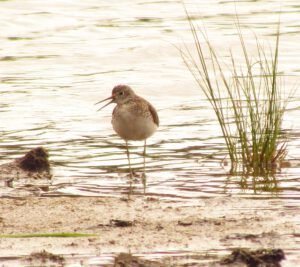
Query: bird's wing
{"x": 154, "y": 114}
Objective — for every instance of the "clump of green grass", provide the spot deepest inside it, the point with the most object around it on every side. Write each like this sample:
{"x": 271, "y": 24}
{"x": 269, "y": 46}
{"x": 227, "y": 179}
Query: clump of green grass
{"x": 246, "y": 98}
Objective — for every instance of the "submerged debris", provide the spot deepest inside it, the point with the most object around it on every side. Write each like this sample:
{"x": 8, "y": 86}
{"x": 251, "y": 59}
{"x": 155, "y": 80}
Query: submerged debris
{"x": 36, "y": 160}
{"x": 45, "y": 256}
{"x": 128, "y": 260}
{"x": 255, "y": 258}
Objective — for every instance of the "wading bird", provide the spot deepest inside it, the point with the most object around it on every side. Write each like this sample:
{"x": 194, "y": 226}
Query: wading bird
{"x": 133, "y": 118}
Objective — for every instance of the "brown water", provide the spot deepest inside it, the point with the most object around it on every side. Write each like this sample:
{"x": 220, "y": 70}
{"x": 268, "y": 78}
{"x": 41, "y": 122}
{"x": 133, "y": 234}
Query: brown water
{"x": 58, "y": 59}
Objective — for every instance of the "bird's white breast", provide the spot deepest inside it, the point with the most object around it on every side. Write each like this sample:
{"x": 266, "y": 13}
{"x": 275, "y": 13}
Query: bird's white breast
{"x": 131, "y": 125}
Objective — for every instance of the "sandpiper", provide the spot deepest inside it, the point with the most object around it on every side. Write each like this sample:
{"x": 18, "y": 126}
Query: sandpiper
{"x": 134, "y": 118}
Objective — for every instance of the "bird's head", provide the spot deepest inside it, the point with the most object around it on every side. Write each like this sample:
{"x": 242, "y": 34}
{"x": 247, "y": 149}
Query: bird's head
{"x": 120, "y": 95}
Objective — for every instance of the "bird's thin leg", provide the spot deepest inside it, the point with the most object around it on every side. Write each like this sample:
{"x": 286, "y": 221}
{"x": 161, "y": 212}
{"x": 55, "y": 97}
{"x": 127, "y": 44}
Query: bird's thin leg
{"x": 144, "y": 154}
{"x": 144, "y": 174}
{"x": 128, "y": 157}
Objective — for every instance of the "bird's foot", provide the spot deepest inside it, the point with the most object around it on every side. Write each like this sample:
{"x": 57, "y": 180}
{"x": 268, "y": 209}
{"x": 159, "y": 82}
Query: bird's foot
{"x": 133, "y": 176}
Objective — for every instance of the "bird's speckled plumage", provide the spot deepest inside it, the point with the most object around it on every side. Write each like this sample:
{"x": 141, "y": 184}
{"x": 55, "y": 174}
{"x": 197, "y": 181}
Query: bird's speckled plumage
{"x": 134, "y": 118}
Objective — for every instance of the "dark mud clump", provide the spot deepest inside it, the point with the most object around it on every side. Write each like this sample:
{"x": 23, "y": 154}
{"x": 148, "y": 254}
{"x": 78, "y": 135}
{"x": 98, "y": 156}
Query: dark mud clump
{"x": 36, "y": 160}
{"x": 44, "y": 256}
{"x": 256, "y": 258}
{"x": 121, "y": 223}
{"x": 128, "y": 260}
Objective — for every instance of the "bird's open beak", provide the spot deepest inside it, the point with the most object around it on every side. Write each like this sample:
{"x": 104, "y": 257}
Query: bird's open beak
{"x": 112, "y": 100}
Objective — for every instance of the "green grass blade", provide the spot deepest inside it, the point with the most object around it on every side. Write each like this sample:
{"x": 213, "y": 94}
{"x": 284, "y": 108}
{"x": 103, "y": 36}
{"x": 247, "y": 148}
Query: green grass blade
{"x": 63, "y": 234}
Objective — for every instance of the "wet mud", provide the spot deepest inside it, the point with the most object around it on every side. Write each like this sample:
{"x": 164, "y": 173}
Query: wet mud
{"x": 142, "y": 226}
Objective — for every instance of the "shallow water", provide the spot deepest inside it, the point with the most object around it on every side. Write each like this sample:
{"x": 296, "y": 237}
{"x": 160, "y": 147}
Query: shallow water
{"x": 58, "y": 59}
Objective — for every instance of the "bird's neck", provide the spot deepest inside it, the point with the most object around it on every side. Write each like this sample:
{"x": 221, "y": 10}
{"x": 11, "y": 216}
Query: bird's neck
{"x": 128, "y": 100}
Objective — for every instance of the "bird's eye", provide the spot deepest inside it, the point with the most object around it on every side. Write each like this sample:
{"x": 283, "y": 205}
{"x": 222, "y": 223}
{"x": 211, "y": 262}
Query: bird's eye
{"x": 121, "y": 93}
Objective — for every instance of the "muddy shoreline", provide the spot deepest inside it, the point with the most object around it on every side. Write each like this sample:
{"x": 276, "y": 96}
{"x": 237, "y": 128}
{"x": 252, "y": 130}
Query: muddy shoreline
{"x": 64, "y": 229}
{"x": 151, "y": 224}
